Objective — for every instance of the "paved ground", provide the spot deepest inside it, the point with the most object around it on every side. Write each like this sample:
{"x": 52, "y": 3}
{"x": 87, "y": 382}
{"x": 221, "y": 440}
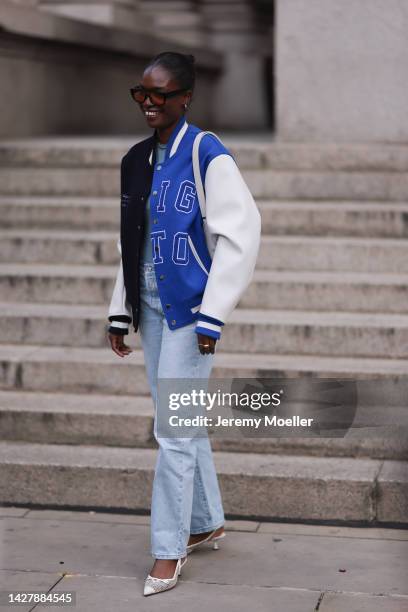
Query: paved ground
{"x": 278, "y": 567}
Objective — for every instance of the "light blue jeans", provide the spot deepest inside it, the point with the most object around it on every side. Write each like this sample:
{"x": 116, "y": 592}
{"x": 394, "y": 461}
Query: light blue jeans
{"x": 186, "y": 497}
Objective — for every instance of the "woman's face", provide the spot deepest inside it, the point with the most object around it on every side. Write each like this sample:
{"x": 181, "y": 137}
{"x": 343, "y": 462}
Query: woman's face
{"x": 167, "y": 115}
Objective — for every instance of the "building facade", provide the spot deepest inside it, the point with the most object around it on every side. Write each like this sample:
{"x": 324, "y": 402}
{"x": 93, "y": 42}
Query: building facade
{"x": 298, "y": 70}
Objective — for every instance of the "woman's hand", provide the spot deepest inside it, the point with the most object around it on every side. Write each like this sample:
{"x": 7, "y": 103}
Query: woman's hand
{"x": 206, "y": 344}
{"x": 118, "y": 346}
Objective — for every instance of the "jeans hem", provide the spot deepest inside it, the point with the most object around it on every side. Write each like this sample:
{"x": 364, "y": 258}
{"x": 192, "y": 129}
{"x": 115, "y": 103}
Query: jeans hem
{"x": 177, "y": 556}
{"x": 207, "y": 528}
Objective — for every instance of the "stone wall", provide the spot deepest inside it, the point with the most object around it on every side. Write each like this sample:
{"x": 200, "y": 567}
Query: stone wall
{"x": 63, "y": 76}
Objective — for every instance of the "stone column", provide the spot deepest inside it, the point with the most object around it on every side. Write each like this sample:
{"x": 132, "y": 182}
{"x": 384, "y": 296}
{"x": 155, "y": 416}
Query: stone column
{"x": 239, "y": 98}
{"x": 341, "y": 70}
{"x": 117, "y": 13}
{"x": 177, "y": 20}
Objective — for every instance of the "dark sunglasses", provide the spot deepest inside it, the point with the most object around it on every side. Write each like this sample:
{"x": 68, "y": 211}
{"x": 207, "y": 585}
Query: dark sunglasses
{"x": 139, "y": 94}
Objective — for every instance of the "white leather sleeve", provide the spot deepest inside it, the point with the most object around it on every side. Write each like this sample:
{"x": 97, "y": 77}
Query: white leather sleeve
{"x": 119, "y": 304}
{"x": 233, "y": 216}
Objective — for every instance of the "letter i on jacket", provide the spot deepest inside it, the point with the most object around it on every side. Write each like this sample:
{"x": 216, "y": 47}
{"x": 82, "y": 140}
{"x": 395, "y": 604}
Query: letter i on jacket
{"x": 192, "y": 284}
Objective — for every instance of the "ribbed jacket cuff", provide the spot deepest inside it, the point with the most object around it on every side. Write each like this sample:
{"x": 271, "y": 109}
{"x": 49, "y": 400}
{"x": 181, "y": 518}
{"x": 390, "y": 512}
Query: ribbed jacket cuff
{"x": 208, "y": 326}
{"x": 119, "y": 325}
{"x": 118, "y": 331}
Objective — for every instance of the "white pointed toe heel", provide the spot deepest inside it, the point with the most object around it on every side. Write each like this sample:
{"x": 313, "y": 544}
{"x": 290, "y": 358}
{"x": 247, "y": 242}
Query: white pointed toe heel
{"x": 209, "y": 539}
{"x": 154, "y": 585}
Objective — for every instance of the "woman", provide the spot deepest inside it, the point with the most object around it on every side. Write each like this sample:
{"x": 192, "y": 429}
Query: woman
{"x": 177, "y": 294}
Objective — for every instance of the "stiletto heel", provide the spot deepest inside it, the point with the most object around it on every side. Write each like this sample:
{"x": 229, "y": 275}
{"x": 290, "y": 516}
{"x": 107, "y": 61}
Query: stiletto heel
{"x": 210, "y": 538}
{"x": 216, "y": 546}
{"x": 181, "y": 565}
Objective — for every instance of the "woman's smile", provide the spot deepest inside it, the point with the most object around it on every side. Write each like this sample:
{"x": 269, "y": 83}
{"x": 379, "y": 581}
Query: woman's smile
{"x": 151, "y": 114}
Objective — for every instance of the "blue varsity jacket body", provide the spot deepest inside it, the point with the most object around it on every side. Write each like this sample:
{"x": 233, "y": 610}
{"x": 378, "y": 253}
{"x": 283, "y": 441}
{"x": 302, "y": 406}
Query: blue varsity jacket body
{"x": 192, "y": 286}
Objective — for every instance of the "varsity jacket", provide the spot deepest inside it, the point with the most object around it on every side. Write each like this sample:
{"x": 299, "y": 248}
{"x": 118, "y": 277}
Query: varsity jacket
{"x": 192, "y": 286}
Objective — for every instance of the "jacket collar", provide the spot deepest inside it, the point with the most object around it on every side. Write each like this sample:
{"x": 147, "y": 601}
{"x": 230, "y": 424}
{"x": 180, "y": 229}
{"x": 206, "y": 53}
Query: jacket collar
{"x": 173, "y": 142}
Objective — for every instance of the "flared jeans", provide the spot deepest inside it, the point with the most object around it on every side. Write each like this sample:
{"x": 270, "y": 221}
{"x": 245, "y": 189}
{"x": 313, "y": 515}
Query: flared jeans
{"x": 186, "y": 497}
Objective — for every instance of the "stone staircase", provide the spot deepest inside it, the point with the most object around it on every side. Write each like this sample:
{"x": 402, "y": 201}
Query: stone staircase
{"x": 329, "y": 299}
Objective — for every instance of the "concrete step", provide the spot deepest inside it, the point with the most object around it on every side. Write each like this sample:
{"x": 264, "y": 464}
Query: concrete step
{"x": 65, "y": 418}
{"x": 329, "y": 291}
{"x": 276, "y": 252}
{"x": 333, "y": 156}
{"x": 59, "y": 212}
{"x": 351, "y": 219}
{"x": 263, "y": 183}
{"x": 313, "y": 185}
{"x": 252, "y": 485}
{"x": 64, "y": 247}
{"x": 109, "y": 420}
{"x": 251, "y": 152}
{"x": 319, "y": 218}
{"x": 96, "y": 370}
{"x": 333, "y": 253}
{"x": 247, "y": 331}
